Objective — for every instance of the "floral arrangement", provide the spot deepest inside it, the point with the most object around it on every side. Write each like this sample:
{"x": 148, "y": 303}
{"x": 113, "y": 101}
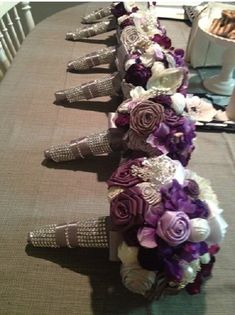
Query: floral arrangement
{"x": 170, "y": 222}
{"x": 157, "y": 127}
{"x": 152, "y": 54}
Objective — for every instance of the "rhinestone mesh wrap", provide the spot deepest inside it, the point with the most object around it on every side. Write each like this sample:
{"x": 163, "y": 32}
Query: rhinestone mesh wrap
{"x": 96, "y": 88}
{"x": 92, "y": 30}
{"x": 102, "y": 56}
{"x": 92, "y": 233}
{"x": 89, "y": 233}
{"x": 44, "y": 236}
{"x": 97, "y": 15}
{"x": 61, "y": 152}
{"x": 99, "y": 143}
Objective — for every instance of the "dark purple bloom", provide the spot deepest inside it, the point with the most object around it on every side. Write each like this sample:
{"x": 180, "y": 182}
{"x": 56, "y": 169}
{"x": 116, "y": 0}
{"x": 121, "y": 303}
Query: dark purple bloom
{"x": 163, "y": 99}
{"x": 206, "y": 269}
{"x": 138, "y": 75}
{"x": 195, "y": 287}
{"x": 173, "y": 270}
{"x": 130, "y": 236}
{"x": 126, "y": 22}
{"x": 123, "y": 177}
{"x": 213, "y": 249}
{"x": 122, "y": 120}
{"x": 128, "y": 209}
{"x": 190, "y": 251}
{"x": 191, "y": 188}
{"x": 150, "y": 259}
{"x": 200, "y": 209}
{"x": 119, "y": 10}
{"x": 162, "y": 40}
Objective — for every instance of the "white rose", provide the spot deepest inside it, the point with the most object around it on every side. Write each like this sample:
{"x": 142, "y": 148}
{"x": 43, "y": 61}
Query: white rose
{"x": 128, "y": 5}
{"x": 178, "y": 102}
{"x": 200, "y": 230}
{"x": 218, "y": 225}
{"x": 148, "y": 57}
{"x": 205, "y": 259}
{"x": 127, "y": 254}
{"x": 137, "y": 279}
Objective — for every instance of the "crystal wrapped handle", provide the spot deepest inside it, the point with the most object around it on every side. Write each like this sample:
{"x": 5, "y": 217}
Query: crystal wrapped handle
{"x": 93, "y": 145}
{"x": 99, "y": 57}
{"x": 91, "y": 30}
{"x": 96, "y": 15}
{"x": 106, "y": 86}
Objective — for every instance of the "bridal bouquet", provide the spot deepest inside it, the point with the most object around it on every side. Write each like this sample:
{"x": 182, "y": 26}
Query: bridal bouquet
{"x": 171, "y": 225}
{"x": 168, "y": 227}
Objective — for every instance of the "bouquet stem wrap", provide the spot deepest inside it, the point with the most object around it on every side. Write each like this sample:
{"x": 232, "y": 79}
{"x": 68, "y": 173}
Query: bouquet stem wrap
{"x": 103, "y": 87}
{"x": 96, "y": 15}
{"x": 101, "y": 143}
{"x": 99, "y": 57}
{"x": 84, "y": 233}
{"x": 91, "y": 30}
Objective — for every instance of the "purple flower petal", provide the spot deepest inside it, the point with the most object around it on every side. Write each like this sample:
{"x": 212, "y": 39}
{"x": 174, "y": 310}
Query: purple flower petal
{"x": 147, "y": 237}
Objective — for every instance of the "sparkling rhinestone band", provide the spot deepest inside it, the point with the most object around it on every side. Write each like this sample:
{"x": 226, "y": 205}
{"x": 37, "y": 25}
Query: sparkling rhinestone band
{"x": 93, "y": 233}
{"x": 102, "y": 56}
{"x": 91, "y": 30}
{"x": 43, "y": 237}
{"x": 96, "y": 88}
{"x": 61, "y": 152}
{"x": 86, "y": 233}
{"x": 99, "y": 143}
{"x": 96, "y": 15}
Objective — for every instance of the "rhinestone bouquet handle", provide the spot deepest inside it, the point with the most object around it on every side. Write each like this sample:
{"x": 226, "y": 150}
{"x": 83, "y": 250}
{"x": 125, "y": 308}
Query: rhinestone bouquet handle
{"x": 106, "y": 86}
{"x": 96, "y": 144}
{"x": 97, "y": 15}
{"x": 84, "y": 233}
{"x": 91, "y": 30}
{"x": 99, "y": 57}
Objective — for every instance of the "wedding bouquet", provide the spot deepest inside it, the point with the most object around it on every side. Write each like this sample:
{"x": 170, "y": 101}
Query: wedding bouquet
{"x": 169, "y": 224}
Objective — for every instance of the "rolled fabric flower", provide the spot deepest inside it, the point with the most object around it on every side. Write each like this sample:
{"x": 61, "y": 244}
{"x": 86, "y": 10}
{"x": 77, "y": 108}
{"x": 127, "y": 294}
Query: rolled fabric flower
{"x": 99, "y": 57}
{"x": 174, "y": 227}
{"x": 96, "y": 144}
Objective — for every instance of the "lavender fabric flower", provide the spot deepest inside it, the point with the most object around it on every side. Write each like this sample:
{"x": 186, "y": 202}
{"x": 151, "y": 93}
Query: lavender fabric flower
{"x": 128, "y": 209}
{"x": 138, "y": 75}
{"x": 174, "y": 227}
{"x": 145, "y": 117}
{"x": 123, "y": 177}
{"x": 119, "y": 10}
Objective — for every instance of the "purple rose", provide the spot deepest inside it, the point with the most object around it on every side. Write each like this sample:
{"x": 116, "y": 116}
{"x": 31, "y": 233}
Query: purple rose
{"x": 191, "y": 188}
{"x": 127, "y": 209}
{"x": 174, "y": 227}
{"x": 163, "y": 99}
{"x": 138, "y": 75}
{"x": 119, "y": 10}
{"x": 162, "y": 40}
{"x": 123, "y": 177}
{"x": 172, "y": 119}
{"x": 145, "y": 117}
